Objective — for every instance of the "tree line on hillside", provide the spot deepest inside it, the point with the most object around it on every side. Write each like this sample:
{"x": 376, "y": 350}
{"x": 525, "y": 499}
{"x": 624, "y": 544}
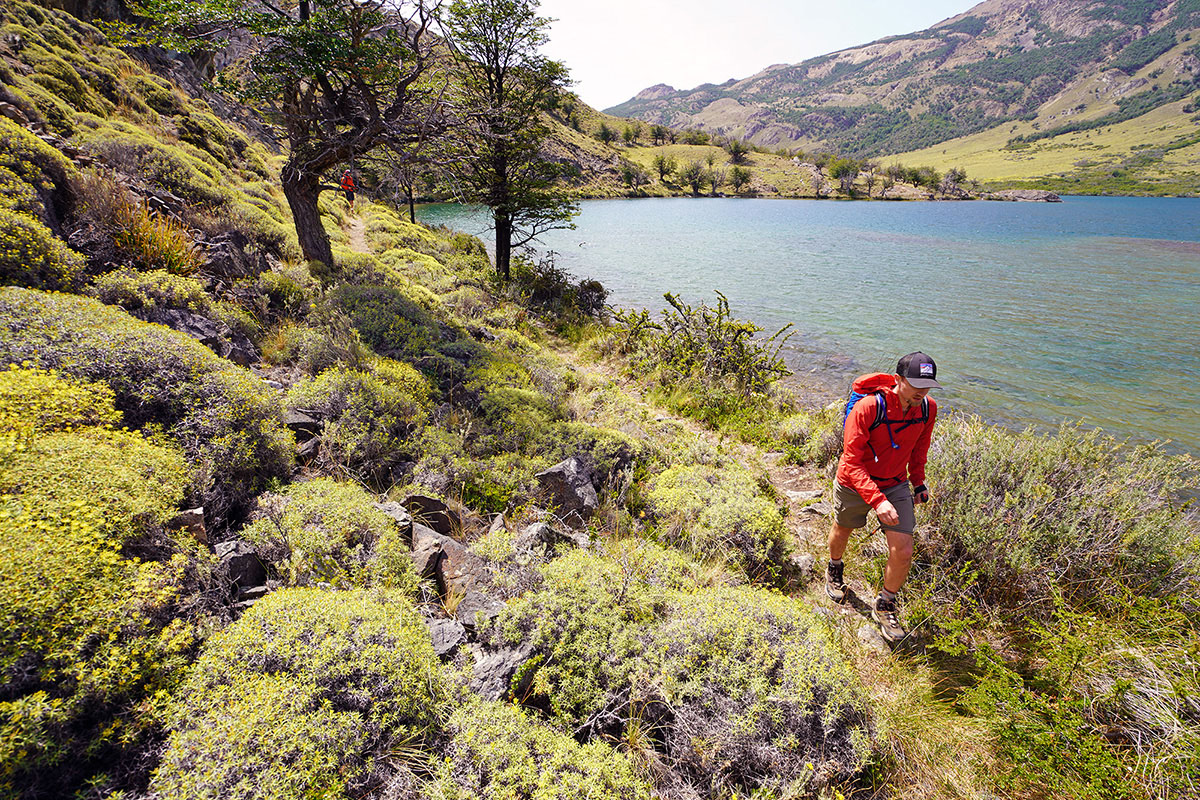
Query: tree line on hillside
{"x": 847, "y": 172}
{"x": 404, "y": 86}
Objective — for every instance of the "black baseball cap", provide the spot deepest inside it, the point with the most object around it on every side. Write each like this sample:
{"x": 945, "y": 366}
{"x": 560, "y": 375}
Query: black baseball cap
{"x": 919, "y": 369}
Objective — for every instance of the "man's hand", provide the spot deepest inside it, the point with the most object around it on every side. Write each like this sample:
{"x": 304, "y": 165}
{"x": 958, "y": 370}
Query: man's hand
{"x": 921, "y": 494}
{"x": 887, "y": 513}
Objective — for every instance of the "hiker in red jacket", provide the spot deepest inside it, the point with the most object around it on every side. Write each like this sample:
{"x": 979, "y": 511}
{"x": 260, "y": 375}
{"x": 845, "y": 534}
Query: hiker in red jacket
{"x": 348, "y": 187}
{"x": 883, "y": 452}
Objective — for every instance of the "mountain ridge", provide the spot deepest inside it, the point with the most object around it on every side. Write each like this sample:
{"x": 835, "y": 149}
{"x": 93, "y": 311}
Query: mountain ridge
{"x": 998, "y": 62}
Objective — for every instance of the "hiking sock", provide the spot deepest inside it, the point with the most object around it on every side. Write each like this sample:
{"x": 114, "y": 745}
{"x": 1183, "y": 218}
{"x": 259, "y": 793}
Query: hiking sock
{"x": 835, "y": 562}
{"x": 884, "y": 594}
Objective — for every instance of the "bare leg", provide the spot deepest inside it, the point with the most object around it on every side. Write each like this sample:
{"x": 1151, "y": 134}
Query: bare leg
{"x": 839, "y": 536}
{"x": 900, "y": 551}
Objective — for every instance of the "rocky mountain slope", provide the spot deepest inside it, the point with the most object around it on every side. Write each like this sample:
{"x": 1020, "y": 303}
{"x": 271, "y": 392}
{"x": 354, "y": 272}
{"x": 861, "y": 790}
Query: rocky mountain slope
{"x": 1058, "y": 63}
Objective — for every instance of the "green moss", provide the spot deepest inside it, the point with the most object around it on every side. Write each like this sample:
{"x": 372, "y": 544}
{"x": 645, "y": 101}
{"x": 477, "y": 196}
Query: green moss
{"x": 497, "y": 752}
{"x": 720, "y": 512}
{"x": 305, "y": 696}
{"x": 325, "y": 532}
{"x": 227, "y": 420}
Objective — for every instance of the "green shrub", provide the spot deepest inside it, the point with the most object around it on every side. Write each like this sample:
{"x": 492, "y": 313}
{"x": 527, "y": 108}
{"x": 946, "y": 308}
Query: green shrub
{"x": 368, "y": 417}
{"x": 497, "y": 752}
{"x": 760, "y": 693}
{"x": 213, "y": 136}
{"x": 133, "y": 290}
{"x": 91, "y": 639}
{"x": 389, "y": 321}
{"x": 310, "y": 694}
{"x": 156, "y": 93}
{"x": 282, "y": 293}
{"x": 177, "y": 168}
{"x": 34, "y": 177}
{"x": 227, "y": 421}
{"x": 329, "y": 342}
{"x": 720, "y": 513}
{"x": 325, "y": 532}
{"x": 586, "y": 626}
{"x": 30, "y": 255}
{"x": 705, "y": 344}
{"x": 1076, "y": 510}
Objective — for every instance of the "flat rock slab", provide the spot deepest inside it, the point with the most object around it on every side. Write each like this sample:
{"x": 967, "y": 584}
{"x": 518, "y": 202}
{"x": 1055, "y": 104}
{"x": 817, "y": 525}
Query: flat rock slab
{"x": 447, "y": 635}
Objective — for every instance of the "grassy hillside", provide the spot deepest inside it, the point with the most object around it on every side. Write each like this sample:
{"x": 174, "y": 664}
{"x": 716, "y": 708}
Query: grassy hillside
{"x": 212, "y": 453}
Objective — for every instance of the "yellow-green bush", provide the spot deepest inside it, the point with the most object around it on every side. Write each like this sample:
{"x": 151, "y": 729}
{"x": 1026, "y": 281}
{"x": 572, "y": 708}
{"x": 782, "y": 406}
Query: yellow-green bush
{"x": 497, "y": 752}
{"x": 720, "y": 512}
{"x": 133, "y": 290}
{"x": 91, "y": 641}
{"x": 307, "y": 695}
{"x": 36, "y": 401}
{"x": 369, "y": 416}
{"x": 33, "y": 175}
{"x": 30, "y": 255}
{"x": 325, "y": 532}
{"x": 181, "y": 169}
{"x": 760, "y": 694}
{"x": 226, "y": 419}
{"x": 589, "y": 624}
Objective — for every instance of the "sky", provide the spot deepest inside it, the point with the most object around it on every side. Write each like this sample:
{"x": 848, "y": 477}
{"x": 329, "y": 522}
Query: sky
{"x": 616, "y": 48}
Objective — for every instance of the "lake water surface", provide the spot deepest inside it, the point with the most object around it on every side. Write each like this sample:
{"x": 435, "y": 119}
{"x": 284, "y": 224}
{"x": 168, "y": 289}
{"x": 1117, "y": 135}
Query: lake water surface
{"x": 1036, "y": 313}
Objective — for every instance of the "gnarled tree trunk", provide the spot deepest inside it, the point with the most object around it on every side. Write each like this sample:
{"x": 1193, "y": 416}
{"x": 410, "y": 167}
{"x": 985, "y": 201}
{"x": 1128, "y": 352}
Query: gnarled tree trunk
{"x": 302, "y": 190}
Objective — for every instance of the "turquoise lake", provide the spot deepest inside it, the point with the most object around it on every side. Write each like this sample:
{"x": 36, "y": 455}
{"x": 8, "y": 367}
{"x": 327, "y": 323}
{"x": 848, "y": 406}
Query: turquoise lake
{"x": 1036, "y": 313}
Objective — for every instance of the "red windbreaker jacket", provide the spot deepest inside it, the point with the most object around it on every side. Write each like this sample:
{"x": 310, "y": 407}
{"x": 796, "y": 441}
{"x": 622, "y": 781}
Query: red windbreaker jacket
{"x": 869, "y": 463}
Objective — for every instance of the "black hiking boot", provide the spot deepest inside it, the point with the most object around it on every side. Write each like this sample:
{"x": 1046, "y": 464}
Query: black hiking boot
{"x": 835, "y": 587}
{"x": 884, "y": 613}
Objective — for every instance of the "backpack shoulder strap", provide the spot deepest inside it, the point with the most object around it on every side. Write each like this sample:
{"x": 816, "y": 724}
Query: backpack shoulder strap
{"x": 924, "y": 410}
{"x": 880, "y": 410}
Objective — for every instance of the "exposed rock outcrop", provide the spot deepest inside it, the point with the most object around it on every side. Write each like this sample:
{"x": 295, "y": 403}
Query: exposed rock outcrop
{"x": 1023, "y": 196}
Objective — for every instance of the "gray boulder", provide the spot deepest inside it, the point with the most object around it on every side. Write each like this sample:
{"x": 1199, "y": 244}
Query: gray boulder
{"x": 542, "y": 535}
{"x": 477, "y": 608}
{"x": 304, "y": 424}
{"x": 568, "y": 486}
{"x": 435, "y": 513}
{"x": 495, "y": 670}
{"x": 447, "y": 635}
{"x": 241, "y": 564}
{"x": 226, "y": 257}
{"x": 400, "y": 516}
{"x": 214, "y": 334}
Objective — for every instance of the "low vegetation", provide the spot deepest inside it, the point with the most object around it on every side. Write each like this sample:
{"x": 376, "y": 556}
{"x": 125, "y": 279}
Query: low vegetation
{"x": 684, "y": 652}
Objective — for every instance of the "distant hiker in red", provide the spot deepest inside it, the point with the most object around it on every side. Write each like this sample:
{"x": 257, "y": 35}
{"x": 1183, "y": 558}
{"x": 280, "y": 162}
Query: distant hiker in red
{"x": 888, "y": 424}
{"x": 348, "y": 187}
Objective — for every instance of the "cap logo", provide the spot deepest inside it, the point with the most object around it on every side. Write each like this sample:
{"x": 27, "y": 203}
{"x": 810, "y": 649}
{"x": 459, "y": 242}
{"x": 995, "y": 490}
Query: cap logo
{"x": 927, "y": 369}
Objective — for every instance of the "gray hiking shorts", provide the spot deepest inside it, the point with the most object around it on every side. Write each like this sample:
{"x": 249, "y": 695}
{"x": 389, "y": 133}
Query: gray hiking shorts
{"x": 850, "y": 510}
